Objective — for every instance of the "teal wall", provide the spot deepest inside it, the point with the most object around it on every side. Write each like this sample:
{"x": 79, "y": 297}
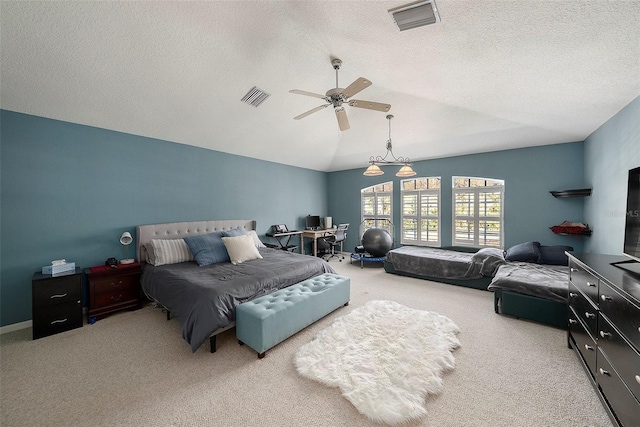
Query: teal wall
{"x": 529, "y": 174}
{"x": 69, "y": 191}
{"x": 610, "y": 152}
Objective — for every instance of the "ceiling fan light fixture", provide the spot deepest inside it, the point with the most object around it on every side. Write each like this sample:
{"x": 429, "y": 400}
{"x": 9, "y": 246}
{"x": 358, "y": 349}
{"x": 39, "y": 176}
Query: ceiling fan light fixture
{"x": 373, "y": 170}
{"x": 416, "y": 14}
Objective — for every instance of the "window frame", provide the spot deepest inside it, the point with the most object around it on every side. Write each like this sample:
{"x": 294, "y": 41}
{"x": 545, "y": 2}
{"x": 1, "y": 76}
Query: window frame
{"x": 475, "y": 217}
{"x": 418, "y": 217}
{"x": 383, "y": 221}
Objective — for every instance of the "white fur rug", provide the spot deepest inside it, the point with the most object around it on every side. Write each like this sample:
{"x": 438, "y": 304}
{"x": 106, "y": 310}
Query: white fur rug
{"x": 385, "y": 358}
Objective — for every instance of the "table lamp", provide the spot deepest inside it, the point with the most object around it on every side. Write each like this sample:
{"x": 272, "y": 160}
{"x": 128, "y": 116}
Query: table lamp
{"x": 126, "y": 240}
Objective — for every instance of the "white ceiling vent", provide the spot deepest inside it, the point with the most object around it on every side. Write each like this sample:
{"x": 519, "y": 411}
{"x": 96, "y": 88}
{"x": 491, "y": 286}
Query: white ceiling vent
{"x": 255, "y": 96}
{"x": 416, "y": 14}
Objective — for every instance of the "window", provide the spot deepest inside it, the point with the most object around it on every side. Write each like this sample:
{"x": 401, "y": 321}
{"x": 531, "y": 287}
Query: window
{"x": 478, "y": 218}
{"x": 420, "y": 211}
{"x": 376, "y": 202}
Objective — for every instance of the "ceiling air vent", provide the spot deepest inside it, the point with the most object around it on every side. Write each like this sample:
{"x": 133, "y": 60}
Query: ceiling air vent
{"x": 255, "y": 96}
{"x": 416, "y": 14}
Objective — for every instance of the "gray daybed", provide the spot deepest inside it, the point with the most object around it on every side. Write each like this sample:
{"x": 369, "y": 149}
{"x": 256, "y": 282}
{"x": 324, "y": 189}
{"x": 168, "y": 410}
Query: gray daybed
{"x": 532, "y": 287}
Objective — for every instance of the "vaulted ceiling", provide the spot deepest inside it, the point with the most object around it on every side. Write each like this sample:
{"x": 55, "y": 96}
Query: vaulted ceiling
{"x": 492, "y": 75}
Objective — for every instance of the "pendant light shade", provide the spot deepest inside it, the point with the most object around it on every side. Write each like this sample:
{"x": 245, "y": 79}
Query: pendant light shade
{"x": 406, "y": 171}
{"x": 373, "y": 170}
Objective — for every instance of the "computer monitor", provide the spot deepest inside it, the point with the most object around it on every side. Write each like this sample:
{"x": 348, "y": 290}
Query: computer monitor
{"x": 312, "y": 222}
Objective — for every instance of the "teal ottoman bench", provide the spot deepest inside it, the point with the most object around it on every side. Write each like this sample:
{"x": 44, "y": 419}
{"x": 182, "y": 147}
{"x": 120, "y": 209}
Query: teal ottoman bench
{"x": 266, "y": 321}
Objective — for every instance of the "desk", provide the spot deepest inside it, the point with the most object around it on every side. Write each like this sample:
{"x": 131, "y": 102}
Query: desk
{"x": 284, "y": 238}
{"x": 314, "y": 234}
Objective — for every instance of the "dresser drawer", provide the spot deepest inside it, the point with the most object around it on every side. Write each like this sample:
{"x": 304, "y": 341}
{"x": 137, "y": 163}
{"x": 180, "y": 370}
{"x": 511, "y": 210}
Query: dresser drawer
{"x": 621, "y": 312}
{"x": 621, "y": 400}
{"x": 583, "y": 280}
{"x": 585, "y": 310}
{"x": 117, "y": 297}
{"x": 49, "y": 320}
{"x": 57, "y": 290}
{"x": 117, "y": 283}
{"x": 585, "y": 344}
{"x": 624, "y": 358}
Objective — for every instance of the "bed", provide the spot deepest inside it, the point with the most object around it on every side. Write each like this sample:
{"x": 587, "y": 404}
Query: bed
{"x": 455, "y": 266}
{"x": 530, "y": 282}
{"x": 204, "y": 297}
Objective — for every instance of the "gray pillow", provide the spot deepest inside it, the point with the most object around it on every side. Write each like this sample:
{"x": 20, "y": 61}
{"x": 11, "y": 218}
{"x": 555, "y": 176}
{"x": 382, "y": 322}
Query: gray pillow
{"x": 208, "y": 249}
{"x": 554, "y": 255}
{"x": 525, "y": 252}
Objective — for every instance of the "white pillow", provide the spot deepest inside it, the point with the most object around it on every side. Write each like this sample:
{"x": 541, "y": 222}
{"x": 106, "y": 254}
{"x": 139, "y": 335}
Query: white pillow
{"x": 169, "y": 251}
{"x": 241, "y": 248}
{"x": 256, "y": 239}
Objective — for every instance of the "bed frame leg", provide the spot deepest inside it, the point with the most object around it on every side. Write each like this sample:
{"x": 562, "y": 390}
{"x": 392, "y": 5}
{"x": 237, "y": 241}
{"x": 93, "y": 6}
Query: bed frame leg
{"x": 496, "y": 303}
{"x": 168, "y": 315}
{"x": 212, "y": 342}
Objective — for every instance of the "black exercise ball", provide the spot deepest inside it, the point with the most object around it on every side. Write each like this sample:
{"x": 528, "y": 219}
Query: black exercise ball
{"x": 377, "y": 242}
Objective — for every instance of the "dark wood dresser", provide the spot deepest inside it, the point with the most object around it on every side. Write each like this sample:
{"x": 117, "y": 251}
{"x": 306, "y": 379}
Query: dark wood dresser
{"x": 56, "y": 303}
{"x": 113, "y": 289}
{"x": 604, "y": 330}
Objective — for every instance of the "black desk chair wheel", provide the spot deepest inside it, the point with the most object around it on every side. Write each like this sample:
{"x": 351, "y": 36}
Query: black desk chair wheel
{"x": 336, "y": 240}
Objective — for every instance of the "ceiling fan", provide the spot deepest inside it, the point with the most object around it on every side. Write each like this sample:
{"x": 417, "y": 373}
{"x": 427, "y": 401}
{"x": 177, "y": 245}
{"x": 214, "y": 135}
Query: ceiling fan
{"x": 339, "y": 96}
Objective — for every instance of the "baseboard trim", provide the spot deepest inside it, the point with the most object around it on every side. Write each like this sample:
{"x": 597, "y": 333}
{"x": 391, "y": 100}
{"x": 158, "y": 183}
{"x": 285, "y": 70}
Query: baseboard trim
{"x": 16, "y": 327}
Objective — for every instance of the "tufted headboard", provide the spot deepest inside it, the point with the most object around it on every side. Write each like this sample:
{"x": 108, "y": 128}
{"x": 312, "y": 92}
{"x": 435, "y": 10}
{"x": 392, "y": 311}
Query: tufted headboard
{"x": 178, "y": 230}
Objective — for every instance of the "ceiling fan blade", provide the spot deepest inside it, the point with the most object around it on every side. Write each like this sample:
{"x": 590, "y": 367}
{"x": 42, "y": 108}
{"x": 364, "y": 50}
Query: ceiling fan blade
{"x": 370, "y": 105}
{"x": 303, "y": 92}
{"x": 360, "y": 84}
{"x": 343, "y": 121}
{"x": 303, "y": 115}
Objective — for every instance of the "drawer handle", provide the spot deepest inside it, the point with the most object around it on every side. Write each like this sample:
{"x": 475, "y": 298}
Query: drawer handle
{"x": 58, "y": 321}
{"x": 605, "y": 298}
{"x": 588, "y": 347}
{"x": 638, "y": 379}
{"x": 603, "y": 372}
{"x": 573, "y": 294}
{"x": 589, "y": 315}
{"x": 116, "y": 298}
{"x": 58, "y": 296}
{"x": 593, "y": 285}
{"x": 574, "y": 269}
{"x": 572, "y": 321}
{"x": 604, "y": 334}
{"x": 114, "y": 284}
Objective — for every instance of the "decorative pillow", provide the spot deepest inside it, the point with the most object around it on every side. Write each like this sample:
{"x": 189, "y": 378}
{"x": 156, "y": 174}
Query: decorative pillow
{"x": 489, "y": 260}
{"x": 525, "y": 252}
{"x": 150, "y": 255}
{"x": 554, "y": 255}
{"x": 234, "y": 232}
{"x": 168, "y": 251}
{"x": 208, "y": 248}
{"x": 256, "y": 239}
{"x": 241, "y": 248}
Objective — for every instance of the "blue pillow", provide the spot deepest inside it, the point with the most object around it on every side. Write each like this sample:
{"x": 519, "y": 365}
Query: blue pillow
{"x": 525, "y": 252}
{"x": 554, "y": 255}
{"x": 234, "y": 232}
{"x": 208, "y": 249}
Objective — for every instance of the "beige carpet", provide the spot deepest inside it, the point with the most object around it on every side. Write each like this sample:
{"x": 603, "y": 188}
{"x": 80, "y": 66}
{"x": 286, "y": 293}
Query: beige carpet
{"x": 134, "y": 369}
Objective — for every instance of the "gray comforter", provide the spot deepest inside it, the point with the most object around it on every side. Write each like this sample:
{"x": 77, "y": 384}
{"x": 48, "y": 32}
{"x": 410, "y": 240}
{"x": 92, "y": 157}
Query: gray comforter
{"x": 204, "y": 298}
{"x": 549, "y": 282}
{"x": 446, "y": 264}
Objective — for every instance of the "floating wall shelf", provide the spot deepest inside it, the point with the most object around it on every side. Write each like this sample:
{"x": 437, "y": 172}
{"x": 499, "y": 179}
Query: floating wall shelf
{"x": 584, "y": 192}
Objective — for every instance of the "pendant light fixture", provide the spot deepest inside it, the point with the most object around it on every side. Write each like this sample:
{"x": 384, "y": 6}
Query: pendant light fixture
{"x": 376, "y": 162}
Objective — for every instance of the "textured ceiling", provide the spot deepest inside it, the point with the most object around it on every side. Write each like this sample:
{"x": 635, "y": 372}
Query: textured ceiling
{"x": 492, "y": 75}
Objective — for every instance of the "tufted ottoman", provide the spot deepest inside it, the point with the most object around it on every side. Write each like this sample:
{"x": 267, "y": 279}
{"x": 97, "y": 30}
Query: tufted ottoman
{"x": 271, "y": 319}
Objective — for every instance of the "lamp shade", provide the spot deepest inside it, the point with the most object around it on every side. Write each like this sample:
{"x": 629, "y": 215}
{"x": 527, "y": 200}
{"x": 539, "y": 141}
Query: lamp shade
{"x": 126, "y": 238}
{"x": 373, "y": 170}
{"x": 406, "y": 171}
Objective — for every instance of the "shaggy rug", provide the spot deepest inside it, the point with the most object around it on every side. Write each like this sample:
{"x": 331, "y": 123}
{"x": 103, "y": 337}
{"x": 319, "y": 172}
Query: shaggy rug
{"x": 384, "y": 357}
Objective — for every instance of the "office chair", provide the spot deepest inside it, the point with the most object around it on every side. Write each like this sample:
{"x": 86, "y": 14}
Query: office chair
{"x": 335, "y": 240}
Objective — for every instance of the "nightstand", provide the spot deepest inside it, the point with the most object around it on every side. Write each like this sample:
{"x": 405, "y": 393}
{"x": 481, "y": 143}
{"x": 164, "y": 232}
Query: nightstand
{"x": 113, "y": 289}
{"x": 56, "y": 303}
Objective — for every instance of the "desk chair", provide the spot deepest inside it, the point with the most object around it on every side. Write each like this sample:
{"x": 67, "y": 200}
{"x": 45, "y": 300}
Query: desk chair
{"x": 335, "y": 240}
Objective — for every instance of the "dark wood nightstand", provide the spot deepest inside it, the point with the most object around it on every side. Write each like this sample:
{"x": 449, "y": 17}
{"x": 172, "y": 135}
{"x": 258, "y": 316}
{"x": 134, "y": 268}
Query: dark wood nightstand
{"x": 56, "y": 303}
{"x": 113, "y": 289}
